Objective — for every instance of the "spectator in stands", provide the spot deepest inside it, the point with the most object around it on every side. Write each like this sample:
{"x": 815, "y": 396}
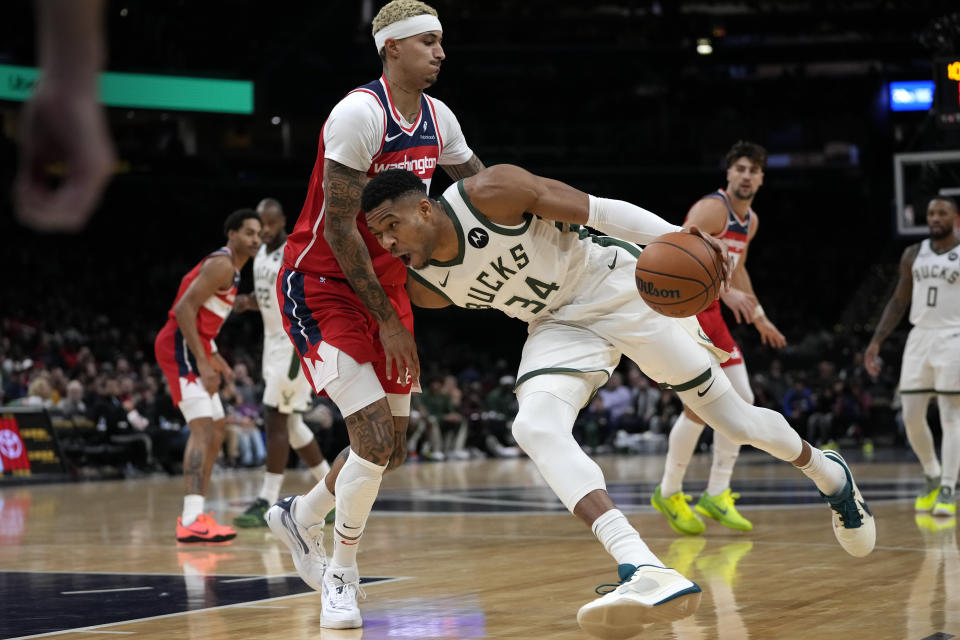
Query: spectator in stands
{"x": 501, "y": 408}
{"x": 122, "y": 425}
{"x": 440, "y": 410}
{"x": 618, "y": 402}
{"x": 39, "y": 393}
{"x": 72, "y": 403}
{"x": 798, "y": 404}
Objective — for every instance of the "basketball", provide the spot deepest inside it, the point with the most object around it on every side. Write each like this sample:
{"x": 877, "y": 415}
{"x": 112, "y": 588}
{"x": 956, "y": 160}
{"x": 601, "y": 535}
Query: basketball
{"x": 679, "y": 274}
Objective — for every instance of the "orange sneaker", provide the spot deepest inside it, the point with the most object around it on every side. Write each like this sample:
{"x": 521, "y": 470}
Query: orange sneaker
{"x": 204, "y": 529}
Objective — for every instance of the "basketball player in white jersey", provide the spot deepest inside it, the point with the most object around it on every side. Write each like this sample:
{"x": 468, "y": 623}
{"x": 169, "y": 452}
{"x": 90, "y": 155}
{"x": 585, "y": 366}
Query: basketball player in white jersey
{"x": 726, "y": 214}
{"x": 930, "y": 284}
{"x": 287, "y": 393}
{"x": 509, "y": 240}
{"x": 343, "y": 297}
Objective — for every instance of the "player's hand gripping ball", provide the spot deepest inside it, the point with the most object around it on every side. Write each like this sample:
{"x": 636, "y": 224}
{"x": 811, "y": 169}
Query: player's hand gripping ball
{"x": 679, "y": 274}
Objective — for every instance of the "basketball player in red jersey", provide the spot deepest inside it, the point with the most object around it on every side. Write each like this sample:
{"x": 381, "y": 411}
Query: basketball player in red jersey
{"x": 343, "y": 297}
{"x": 727, "y": 215}
{"x": 187, "y": 354}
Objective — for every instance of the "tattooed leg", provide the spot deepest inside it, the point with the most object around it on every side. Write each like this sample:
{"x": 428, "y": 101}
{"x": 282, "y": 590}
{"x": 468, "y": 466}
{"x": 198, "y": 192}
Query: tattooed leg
{"x": 371, "y": 432}
{"x": 400, "y": 424}
{"x": 197, "y": 461}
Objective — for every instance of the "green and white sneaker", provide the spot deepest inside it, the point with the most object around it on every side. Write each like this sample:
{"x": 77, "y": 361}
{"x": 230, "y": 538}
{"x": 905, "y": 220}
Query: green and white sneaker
{"x": 721, "y": 509}
{"x": 644, "y": 595}
{"x": 928, "y": 496}
{"x": 946, "y": 503}
{"x": 254, "y": 516}
{"x": 853, "y": 522}
{"x": 678, "y": 512}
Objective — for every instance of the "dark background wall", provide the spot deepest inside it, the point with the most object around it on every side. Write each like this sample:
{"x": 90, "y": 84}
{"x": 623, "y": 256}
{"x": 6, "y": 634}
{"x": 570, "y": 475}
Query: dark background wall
{"x": 610, "y": 97}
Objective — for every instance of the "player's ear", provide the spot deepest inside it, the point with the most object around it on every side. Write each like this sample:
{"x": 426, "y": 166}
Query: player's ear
{"x": 391, "y": 48}
{"x": 424, "y": 208}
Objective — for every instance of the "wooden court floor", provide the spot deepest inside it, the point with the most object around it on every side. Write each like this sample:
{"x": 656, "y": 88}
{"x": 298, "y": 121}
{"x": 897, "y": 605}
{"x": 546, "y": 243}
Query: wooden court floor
{"x": 476, "y": 549}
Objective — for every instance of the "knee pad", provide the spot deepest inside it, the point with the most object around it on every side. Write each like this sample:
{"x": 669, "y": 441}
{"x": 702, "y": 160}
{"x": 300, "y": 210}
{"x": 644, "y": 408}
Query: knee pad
{"x": 355, "y": 387}
{"x": 543, "y": 429}
{"x": 298, "y": 433}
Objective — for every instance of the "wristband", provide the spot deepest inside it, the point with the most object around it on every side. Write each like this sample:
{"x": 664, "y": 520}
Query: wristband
{"x": 758, "y": 312}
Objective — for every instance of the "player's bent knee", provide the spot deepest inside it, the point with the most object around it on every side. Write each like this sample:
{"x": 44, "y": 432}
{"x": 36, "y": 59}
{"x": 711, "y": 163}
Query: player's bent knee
{"x": 533, "y": 435}
{"x": 298, "y": 433}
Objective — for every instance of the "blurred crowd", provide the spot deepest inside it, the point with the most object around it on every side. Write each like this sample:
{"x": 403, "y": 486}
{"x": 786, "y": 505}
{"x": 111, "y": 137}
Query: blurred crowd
{"x": 111, "y": 409}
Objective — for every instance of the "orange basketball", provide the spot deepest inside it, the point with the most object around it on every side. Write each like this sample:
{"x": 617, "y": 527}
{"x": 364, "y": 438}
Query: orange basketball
{"x": 679, "y": 274}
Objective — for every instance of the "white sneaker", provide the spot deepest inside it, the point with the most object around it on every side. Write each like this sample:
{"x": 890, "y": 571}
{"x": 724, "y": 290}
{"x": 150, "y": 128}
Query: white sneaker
{"x": 340, "y": 588}
{"x": 305, "y": 543}
{"x": 646, "y": 594}
{"x": 853, "y": 522}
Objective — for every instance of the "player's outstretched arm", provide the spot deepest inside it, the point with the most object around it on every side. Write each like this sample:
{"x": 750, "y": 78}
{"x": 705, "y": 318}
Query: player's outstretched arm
{"x": 342, "y": 187}
{"x": 505, "y": 192}
{"x": 898, "y": 303}
{"x": 215, "y": 275}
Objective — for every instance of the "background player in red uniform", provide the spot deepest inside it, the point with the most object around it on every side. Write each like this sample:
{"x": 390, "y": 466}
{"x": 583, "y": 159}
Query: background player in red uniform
{"x": 187, "y": 354}
{"x": 726, "y": 214}
{"x": 343, "y": 297}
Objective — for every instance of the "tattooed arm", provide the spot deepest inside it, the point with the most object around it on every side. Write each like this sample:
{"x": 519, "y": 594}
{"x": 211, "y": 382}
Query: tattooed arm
{"x": 465, "y": 170}
{"x": 341, "y": 191}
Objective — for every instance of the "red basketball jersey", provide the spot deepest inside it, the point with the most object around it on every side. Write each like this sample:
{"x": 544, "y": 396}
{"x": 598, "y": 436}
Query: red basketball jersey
{"x": 737, "y": 232}
{"x": 416, "y": 148}
{"x": 215, "y": 309}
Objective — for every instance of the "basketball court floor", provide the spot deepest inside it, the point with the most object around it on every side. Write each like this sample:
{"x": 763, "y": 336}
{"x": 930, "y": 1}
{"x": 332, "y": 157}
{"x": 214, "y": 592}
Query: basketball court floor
{"x": 477, "y": 549}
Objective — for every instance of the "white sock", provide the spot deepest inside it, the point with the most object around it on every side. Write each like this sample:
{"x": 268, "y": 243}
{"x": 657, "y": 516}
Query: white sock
{"x": 826, "y": 474}
{"x": 724, "y": 458}
{"x": 312, "y": 507}
{"x": 320, "y": 470}
{"x": 918, "y": 431}
{"x": 192, "y": 507}
{"x": 622, "y": 541}
{"x": 683, "y": 442}
{"x": 357, "y": 487}
{"x": 270, "y": 491}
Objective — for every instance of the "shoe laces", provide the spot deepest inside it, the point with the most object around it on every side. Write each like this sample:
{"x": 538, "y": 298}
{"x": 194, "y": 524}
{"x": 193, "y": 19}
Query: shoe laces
{"x": 604, "y": 589}
{"x": 340, "y": 597}
{"x": 679, "y": 503}
{"x": 317, "y": 539}
{"x": 727, "y": 498}
{"x": 848, "y": 511}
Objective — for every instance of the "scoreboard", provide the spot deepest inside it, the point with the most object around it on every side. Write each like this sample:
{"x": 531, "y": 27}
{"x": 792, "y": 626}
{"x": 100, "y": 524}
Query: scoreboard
{"x": 947, "y": 72}
{"x": 28, "y": 446}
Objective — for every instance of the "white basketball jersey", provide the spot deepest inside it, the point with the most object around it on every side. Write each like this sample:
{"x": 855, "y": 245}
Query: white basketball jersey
{"x": 521, "y": 270}
{"x": 266, "y": 266}
{"x": 936, "y": 288}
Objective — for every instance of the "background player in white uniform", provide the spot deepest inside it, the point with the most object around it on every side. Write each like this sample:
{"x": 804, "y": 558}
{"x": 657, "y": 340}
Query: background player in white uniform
{"x": 930, "y": 283}
{"x": 287, "y": 393}
{"x": 512, "y": 241}
{"x": 344, "y": 302}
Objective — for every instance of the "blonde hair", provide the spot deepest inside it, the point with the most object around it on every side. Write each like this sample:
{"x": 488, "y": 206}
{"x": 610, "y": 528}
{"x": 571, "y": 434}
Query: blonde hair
{"x": 398, "y": 10}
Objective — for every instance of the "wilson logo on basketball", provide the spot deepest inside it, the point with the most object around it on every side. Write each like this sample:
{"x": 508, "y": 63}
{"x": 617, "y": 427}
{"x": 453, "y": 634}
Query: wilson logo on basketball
{"x": 650, "y": 290}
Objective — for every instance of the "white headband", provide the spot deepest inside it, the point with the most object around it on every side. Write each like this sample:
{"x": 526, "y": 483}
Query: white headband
{"x": 406, "y": 28}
